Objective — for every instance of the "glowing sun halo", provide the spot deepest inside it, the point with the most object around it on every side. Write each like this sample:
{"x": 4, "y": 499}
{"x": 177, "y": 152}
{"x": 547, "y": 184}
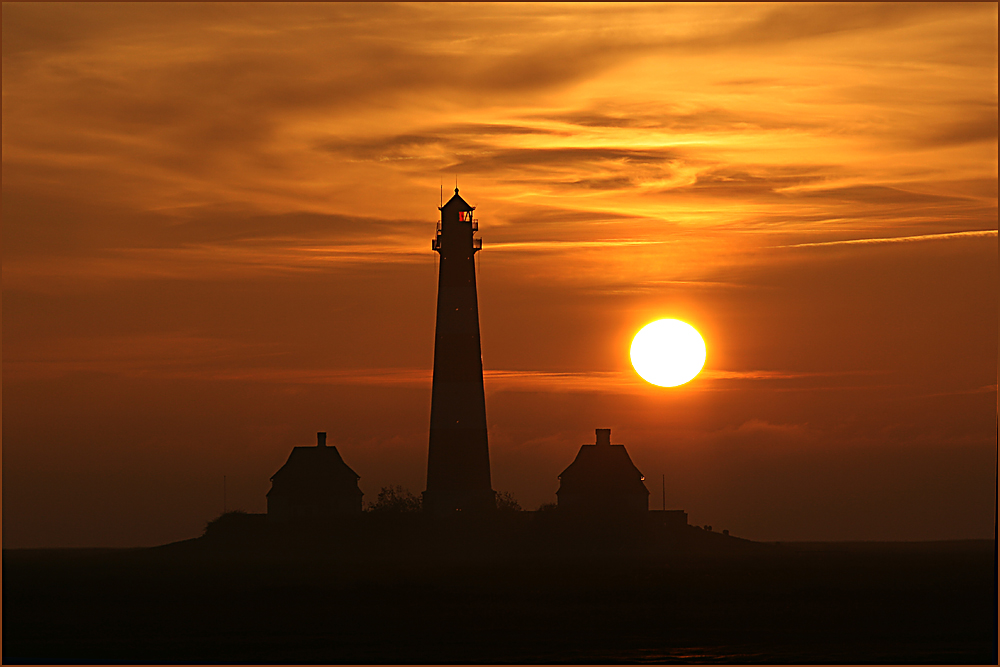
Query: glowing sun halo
{"x": 668, "y": 353}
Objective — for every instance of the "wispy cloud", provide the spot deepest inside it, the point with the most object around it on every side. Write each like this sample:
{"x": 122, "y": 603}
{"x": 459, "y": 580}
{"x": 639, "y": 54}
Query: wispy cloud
{"x": 630, "y": 382}
{"x": 186, "y": 356}
{"x": 986, "y": 389}
{"x": 570, "y": 245}
{"x": 979, "y": 233}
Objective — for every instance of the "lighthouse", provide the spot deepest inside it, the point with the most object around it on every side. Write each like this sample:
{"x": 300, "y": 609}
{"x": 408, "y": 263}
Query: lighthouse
{"x": 458, "y": 460}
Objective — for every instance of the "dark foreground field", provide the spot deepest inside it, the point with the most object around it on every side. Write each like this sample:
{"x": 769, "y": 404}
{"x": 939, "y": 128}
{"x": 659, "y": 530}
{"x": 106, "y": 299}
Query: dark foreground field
{"x": 400, "y": 603}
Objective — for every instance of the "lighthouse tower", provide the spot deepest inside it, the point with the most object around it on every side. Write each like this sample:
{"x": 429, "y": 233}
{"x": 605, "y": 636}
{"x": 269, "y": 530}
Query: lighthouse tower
{"x": 458, "y": 461}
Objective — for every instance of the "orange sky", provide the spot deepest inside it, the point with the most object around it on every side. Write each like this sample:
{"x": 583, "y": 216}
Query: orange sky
{"x": 216, "y": 242}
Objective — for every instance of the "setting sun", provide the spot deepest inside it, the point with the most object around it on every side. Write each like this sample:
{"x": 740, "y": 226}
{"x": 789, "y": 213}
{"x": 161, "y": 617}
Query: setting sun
{"x": 668, "y": 353}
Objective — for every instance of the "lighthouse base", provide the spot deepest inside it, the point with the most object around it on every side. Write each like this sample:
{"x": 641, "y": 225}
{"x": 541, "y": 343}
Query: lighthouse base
{"x": 449, "y": 502}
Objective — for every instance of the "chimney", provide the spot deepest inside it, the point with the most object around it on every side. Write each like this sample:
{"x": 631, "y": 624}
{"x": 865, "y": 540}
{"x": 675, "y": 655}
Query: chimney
{"x": 603, "y": 436}
{"x": 321, "y": 439}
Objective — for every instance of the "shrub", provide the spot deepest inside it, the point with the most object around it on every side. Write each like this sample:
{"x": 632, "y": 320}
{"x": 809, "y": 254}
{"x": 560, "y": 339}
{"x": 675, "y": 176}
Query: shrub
{"x": 396, "y": 499}
{"x": 507, "y": 503}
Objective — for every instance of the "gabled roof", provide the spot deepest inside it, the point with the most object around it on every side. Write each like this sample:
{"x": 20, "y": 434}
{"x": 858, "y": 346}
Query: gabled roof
{"x": 602, "y": 467}
{"x": 458, "y": 202}
{"x": 307, "y": 466}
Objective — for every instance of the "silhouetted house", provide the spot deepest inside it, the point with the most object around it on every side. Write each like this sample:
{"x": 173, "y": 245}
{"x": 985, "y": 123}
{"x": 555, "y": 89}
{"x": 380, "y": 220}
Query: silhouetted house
{"x": 314, "y": 482}
{"x": 603, "y": 480}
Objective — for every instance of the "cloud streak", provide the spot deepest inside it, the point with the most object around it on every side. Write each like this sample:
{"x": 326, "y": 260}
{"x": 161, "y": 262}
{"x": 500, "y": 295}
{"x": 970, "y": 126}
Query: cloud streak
{"x": 979, "y": 233}
{"x": 205, "y": 359}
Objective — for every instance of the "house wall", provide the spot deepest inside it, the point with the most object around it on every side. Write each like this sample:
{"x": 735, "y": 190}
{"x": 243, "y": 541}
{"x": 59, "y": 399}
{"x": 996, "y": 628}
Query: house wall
{"x": 602, "y": 502}
{"x": 285, "y": 506}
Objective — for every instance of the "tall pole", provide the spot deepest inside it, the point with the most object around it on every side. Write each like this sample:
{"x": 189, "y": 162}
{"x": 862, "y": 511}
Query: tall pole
{"x": 663, "y": 490}
{"x": 223, "y": 494}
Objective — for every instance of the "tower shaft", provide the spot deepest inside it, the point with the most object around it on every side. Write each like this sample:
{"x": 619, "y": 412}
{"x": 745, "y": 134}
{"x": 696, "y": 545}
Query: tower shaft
{"x": 458, "y": 462}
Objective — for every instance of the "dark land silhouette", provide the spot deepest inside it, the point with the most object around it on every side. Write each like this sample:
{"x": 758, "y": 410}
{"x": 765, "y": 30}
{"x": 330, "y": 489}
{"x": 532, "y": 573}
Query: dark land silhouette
{"x": 395, "y": 589}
